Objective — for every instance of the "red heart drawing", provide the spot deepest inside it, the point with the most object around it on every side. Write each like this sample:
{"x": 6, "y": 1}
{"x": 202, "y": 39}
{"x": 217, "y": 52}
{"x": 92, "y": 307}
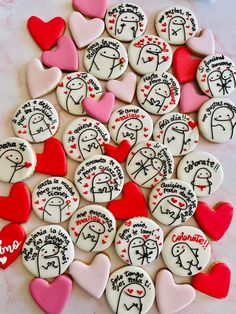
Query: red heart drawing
{"x": 132, "y": 203}
{"x": 130, "y": 291}
{"x": 139, "y": 292}
{"x": 12, "y": 238}
{"x": 17, "y": 206}
{"x": 214, "y": 221}
{"x": 173, "y": 200}
{"x": 192, "y": 124}
{"x": 28, "y": 164}
{"x": 53, "y": 160}
{"x": 146, "y": 236}
{"x": 120, "y": 152}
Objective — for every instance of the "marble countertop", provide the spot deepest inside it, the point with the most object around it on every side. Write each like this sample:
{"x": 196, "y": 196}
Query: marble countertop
{"x": 16, "y": 49}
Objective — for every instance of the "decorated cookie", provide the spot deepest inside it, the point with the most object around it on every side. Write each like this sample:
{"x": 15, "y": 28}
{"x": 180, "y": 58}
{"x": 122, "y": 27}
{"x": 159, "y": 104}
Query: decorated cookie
{"x": 178, "y": 132}
{"x": 176, "y": 25}
{"x": 17, "y": 160}
{"x": 92, "y": 228}
{"x": 48, "y": 251}
{"x": 172, "y": 202}
{"x": 99, "y": 179}
{"x": 130, "y": 289}
{"x": 55, "y": 199}
{"x": 217, "y": 120}
{"x": 203, "y": 171}
{"x": 74, "y": 88}
{"x": 149, "y": 53}
{"x": 216, "y": 75}
{"x": 84, "y": 137}
{"x": 35, "y": 120}
{"x": 139, "y": 241}
{"x": 126, "y": 21}
{"x": 186, "y": 251}
{"x": 149, "y": 163}
{"x": 158, "y": 93}
{"x": 130, "y": 123}
{"x": 106, "y": 58}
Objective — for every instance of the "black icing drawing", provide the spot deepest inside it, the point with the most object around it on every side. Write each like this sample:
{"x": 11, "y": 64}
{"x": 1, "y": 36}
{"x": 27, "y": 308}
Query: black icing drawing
{"x": 149, "y": 53}
{"x": 88, "y": 143}
{"x": 48, "y": 259}
{"x": 127, "y": 22}
{"x": 187, "y": 257}
{"x": 38, "y": 125}
{"x": 221, "y": 83}
{"x": 157, "y": 95}
{"x": 54, "y": 205}
{"x": 78, "y": 90}
{"x": 176, "y": 28}
{"x": 91, "y": 233}
{"x": 14, "y": 162}
{"x": 201, "y": 180}
{"x": 101, "y": 185}
{"x": 222, "y": 123}
{"x": 141, "y": 251}
{"x": 129, "y": 129}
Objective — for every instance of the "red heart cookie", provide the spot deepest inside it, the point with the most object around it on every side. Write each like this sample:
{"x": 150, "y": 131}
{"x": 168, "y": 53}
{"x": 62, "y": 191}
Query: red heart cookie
{"x": 46, "y": 34}
{"x": 17, "y": 206}
{"x": 12, "y": 238}
{"x": 184, "y": 66}
{"x": 53, "y": 160}
{"x": 132, "y": 204}
{"x": 214, "y": 221}
{"x": 216, "y": 283}
{"x": 120, "y": 152}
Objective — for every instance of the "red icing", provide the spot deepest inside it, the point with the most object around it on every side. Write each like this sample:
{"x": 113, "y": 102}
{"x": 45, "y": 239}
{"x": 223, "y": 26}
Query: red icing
{"x": 119, "y": 153}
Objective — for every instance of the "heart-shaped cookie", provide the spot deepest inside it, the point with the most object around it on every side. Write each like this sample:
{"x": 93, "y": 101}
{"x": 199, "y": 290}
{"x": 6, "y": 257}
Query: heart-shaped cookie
{"x": 202, "y": 45}
{"x": 191, "y": 99}
{"x": 120, "y": 152}
{"x": 91, "y": 8}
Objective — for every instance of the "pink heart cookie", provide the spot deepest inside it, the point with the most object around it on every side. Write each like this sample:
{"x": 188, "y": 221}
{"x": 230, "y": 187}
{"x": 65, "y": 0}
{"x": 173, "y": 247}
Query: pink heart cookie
{"x": 40, "y": 81}
{"x": 51, "y": 297}
{"x": 203, "y": 45}
{"x": 91, "y": 8}
{"x": 85, "y": 31}
{"x": 65, "y": 56}
{"x": 100, "y": 110}
{"x": 92, "y": 278}
{"x": 171, "y": 297}
{"x": 191, "y": 99}
{"x": 125, "y": 88}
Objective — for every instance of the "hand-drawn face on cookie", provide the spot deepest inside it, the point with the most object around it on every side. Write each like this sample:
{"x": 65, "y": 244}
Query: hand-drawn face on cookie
{"x": 216, "y": 76}
{"x": 149, "y": 53}
{"x": 92, "y": 228}
{"x": 35, "y": 120}
{"x": 186, "y": 251}
{"x": 48, "y": 251}
{"x": 106, "y": 58}
{"x": 84, "y": 137}
{"x": 130, "y": 290}
{"x": 130, "y": 123}
{"x": 74, "y": 88}
{"x": 217, "y": 120}
{"x": 178, "y": 132}
{"x": 176, "y": 25}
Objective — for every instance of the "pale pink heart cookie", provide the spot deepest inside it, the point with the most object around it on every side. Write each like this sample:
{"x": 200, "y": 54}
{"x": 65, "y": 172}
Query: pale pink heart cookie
{"x": 171, "y": 297}
{"x": 51, "y": 297}
{"x": 202, "y": 45}
{"x": 91, "y": 8}
{"x": 85, "y": 31}
{"x": 40, "y": 81}
{"x": 191, "y": 99}
{"x": 65, "y": 56}
{"x": 92, "y": 278}
{"x": 100, "y": 110}
{"x": 123, "y": 89}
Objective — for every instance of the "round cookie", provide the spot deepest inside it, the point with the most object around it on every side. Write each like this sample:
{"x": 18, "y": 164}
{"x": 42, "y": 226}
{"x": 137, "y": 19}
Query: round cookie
{"x": 217, "y": 120}
{"x": 35, "y": 120}
{"x": 92, "y": 228}
{"x": 106, "y": 58}
{"x": 130, "y": 123}
{"x": 48, "y": 251}
{"x": 17, "y": 160}
{"x": 99, "y": 179}
{"x": 203, "y": 171}
{"x": 216, "y": 75}
{"x": 84, "y": 137}
{"x": 178, "y": 132}
{"x": 126, "y": 21}
{"x": 176, "y": 24}
{"x": 139, "y": 241}
{"x": 55, "y": 199}
{"x": 186, "y": 251}
{"x": 172, "y": 202}
{"x": 158, "y": 93}
{"x": 149, "y": 53}
{"x": 74, "y": 88}
{"x": 130, "y": 287}
{"x": 149, "y": 163}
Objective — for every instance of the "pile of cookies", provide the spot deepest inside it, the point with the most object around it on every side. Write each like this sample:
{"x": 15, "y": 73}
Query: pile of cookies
{"x": 145, "y": 149}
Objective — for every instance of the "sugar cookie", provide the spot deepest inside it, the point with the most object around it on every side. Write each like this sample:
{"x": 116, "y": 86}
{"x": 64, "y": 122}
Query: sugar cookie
{"x": 92, "y": 228}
